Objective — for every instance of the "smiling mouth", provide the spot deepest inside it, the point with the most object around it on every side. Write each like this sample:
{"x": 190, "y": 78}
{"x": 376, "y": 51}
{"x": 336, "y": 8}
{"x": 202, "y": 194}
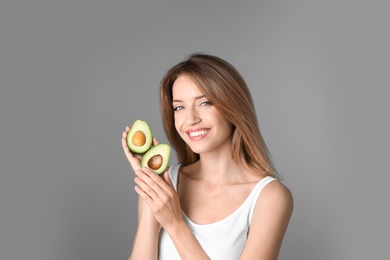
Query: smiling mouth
{"x": 198, "y": 133}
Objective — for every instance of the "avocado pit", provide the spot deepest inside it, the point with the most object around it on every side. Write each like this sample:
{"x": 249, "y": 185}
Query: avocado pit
{"x": 139, "y": 138}
{"x": 155, "y": 162}
{"x": 157, "y": 158}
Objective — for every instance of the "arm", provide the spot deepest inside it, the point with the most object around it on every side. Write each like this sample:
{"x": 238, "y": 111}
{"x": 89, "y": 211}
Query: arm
{"x": 270, "y": 219}
{"x": 145, "y": 244}
{"x": 159, "y": 194}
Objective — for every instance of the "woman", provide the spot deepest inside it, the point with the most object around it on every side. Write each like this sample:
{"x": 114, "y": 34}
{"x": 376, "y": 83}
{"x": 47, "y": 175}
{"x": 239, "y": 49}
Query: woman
{"x": 224, "y": 199}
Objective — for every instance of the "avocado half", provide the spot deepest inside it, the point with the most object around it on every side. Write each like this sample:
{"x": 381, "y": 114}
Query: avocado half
{"x": 157, "y": 158}
{"x": 140, "y": 138}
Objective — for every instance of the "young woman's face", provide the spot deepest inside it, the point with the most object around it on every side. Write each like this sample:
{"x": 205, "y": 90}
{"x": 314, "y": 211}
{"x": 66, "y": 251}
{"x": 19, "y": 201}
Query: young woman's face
{"x": 197, "y": 121}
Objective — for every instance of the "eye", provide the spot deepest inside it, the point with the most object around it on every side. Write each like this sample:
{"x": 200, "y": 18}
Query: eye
{"x": 206, "y": 103}
{"x": 178, "y": 108}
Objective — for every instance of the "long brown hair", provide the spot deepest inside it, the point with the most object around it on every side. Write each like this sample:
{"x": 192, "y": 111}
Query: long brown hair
{"x": 225, "y": 88}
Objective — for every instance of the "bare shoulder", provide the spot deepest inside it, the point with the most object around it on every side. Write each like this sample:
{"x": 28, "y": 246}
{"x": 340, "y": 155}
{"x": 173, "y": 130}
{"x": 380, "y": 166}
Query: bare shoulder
{"x": 270, "y": 219}
{"x": 189, "y": 171}
{"x": 274, "y": 204}
{"x": 276, "y": 192}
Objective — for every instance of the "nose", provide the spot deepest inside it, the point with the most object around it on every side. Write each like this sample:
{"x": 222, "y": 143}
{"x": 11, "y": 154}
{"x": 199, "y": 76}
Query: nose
{"x": 192, "y": 116}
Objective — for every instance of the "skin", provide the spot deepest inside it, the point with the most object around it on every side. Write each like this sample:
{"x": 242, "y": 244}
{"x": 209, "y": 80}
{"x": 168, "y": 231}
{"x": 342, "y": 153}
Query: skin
{"x": 213, "y": 180}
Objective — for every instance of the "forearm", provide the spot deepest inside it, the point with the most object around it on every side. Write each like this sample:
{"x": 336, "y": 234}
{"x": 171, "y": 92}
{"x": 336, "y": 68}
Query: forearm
{"x": 145, "y": 244}
{"x": 186, "y": 244}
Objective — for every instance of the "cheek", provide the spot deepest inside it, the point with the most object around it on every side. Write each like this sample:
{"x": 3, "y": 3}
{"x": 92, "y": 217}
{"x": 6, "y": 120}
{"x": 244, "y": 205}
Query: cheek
{"x": 177, "y": 122}
{"x": 227, "y": 126}
{"x": 178, "y": 130}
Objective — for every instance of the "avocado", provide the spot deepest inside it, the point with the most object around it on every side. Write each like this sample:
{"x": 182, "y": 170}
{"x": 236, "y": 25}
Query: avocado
{"x": 157, "y": 158}
{"x": 139, "y": 139}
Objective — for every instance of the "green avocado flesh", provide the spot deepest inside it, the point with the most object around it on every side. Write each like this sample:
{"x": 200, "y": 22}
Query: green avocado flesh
{"x": 157, "y": 158}
{"x": 139, "y": 139}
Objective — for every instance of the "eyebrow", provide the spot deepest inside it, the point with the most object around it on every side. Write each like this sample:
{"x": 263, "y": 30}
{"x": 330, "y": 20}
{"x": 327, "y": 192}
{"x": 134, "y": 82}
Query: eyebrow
{"x": 196, "y": 98}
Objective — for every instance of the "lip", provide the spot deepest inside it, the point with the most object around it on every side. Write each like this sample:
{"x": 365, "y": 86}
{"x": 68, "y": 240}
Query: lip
{"x": 197, "y": 134}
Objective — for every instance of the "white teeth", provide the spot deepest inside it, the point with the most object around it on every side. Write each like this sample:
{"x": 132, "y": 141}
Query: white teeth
{"x": 197, "y": 133}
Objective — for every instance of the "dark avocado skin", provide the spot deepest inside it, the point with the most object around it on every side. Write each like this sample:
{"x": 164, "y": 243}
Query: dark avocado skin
{"x": 163, "y": 150}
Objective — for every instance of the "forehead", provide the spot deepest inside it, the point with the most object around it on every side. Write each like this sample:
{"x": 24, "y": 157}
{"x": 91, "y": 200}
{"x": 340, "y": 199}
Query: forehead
{"x": 184, "y": 86}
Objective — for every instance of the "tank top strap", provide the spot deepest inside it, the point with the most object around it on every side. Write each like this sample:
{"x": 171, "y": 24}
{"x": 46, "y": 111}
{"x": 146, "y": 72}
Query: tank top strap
{"x": 256, "y": 193}
{"x": 173, "y": 173}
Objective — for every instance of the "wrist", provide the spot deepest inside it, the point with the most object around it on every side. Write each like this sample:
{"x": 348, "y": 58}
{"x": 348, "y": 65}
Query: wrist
{"x": 179, "y": 229}
{"x": 185, "y": 242}
{"x": 147, "y": 218}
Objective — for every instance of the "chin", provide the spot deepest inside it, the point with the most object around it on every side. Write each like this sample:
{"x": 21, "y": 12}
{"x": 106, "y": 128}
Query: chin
{"x": 199, "y": 149}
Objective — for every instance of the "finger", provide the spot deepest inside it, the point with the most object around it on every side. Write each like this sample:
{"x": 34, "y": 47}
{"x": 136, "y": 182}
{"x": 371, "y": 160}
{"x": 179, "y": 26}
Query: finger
{"x": 124, "y": 140}
{"x": 151, "y": 179}
{"x": 157, "y": 182}
{"x": 144, "y": 196}
{"x": 157, "y": 200}
{"x": 125, "y": 147}
{"x": 162, "y": 191}
{"x": 156, "y": 178}
{"x": 124, "y": 134}
{"x": 155, "y": 141}
{"x": 151, "y": 189}
{"x": 134, "y": 160}
{"x": 167, "y": 179}
{"x": 145, "y": 187}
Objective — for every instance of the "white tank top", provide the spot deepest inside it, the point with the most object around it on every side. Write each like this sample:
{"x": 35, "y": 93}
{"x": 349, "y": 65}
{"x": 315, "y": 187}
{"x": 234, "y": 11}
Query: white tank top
{"x": 224, "y": 239}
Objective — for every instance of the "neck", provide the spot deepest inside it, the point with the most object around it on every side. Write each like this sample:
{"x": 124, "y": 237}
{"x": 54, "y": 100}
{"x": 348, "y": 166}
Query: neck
{"x": 217, "y": 167}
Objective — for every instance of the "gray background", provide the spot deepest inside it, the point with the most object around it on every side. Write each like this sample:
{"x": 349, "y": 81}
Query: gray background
{"x": 75, "y": 73}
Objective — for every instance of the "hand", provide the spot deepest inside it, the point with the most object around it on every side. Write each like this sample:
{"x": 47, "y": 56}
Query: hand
{"x": 134, "y": 159}
{"x": 158, "y": 192}
{"x": 144, "y": 211}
